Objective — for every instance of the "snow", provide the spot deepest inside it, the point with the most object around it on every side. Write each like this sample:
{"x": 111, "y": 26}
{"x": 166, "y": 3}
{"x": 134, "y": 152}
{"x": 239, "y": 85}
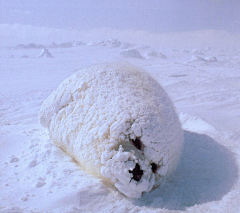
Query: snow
{"x": 45, "y": 53}
{"x": 114, "y": 43}
{"x": 37, "y": 176}
{"x": 132, "y": 53}
{"x": 196, "y": 58}
{"x": 155, "y": 54}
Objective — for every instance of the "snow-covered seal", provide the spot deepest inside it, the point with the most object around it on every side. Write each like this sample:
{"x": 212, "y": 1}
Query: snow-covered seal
{"x": 117, "y": 122}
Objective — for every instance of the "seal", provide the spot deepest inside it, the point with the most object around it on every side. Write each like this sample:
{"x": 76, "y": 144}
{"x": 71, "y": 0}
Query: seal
{"x": 118, "y": 123}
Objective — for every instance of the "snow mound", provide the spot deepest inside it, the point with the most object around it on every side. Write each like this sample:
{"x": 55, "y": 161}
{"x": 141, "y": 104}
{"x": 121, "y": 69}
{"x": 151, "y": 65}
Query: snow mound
{"x": 118, "y": 123}
{"x": 197, "y": 52}
{"x": 154, "y": 54}
{"x": 24, "y": 56}
{"x": 132, "y": 53}
{"x": 30, "y": 46}
{"x": 143, "y": 47}
{"x": 194, "y": 124}
{"x": 114, "y": 43}
{"x": 45, "y": 53}
{"x": 196, "y": 58}
{"x": 68, "y": 44}
{"x": 211, "y": 59}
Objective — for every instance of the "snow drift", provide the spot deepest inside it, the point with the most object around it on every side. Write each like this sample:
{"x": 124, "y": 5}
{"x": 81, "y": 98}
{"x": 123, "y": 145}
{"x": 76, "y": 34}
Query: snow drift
{"x": 117, "y": 123}
{"x": 154, "y": 54}
{"x": 132, "y": 53}
{"x": 45, "y": 53}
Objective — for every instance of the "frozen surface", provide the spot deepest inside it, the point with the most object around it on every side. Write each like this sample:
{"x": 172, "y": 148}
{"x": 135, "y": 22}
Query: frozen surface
{"x": 37, "y": 176}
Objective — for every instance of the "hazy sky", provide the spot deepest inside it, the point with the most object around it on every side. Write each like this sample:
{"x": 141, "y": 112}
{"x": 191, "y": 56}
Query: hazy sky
{"x": 150, "y": 15}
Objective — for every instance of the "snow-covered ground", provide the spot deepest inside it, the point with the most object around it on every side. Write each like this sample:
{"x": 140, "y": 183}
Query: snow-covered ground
{"x": 204, "y": 85}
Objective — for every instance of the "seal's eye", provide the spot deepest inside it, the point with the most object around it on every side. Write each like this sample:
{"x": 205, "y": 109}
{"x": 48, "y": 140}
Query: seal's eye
{"x": 137, "y": 173}
{"x": 154, "y": 167}
{"x": 137, "y": 143}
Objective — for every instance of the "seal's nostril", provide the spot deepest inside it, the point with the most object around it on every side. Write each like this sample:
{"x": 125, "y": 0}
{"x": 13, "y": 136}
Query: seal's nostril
{"x": 137, "y": 143}
{"x": 137, "y": 173}
{"x": 154, "y": 167}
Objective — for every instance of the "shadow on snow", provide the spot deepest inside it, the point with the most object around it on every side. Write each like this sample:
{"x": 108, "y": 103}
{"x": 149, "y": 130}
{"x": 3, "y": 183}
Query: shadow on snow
{"x": 206, "y": 172}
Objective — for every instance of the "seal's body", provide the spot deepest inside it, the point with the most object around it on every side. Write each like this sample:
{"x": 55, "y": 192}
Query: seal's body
{"x": 118, "y": 123}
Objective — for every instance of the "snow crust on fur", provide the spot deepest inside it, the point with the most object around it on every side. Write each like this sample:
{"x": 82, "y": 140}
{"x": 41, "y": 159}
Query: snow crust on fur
{"x": 97, "y": 113}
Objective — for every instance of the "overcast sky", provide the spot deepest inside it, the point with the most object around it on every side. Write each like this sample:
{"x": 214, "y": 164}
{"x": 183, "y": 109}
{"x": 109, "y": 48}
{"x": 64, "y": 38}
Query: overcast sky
{"x": 150, "y": 15}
